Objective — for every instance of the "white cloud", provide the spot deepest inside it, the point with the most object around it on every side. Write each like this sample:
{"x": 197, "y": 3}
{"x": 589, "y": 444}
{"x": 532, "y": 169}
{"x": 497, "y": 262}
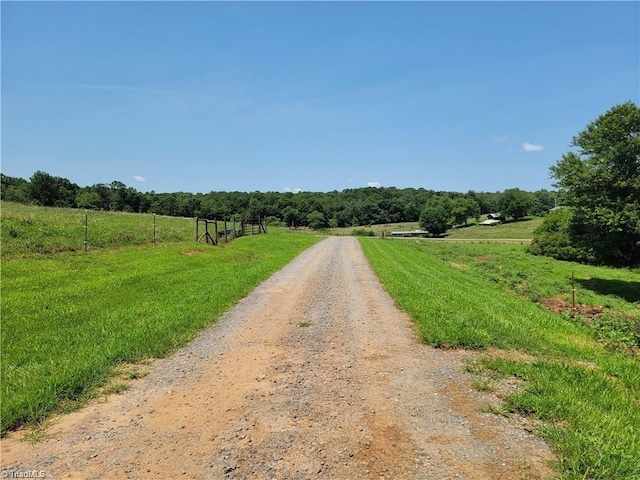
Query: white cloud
{"x": 292, "y": 190}
{"x": 374, "y": 184}
{"x": 139, "y": 178}
{"x": 530, "y": 147}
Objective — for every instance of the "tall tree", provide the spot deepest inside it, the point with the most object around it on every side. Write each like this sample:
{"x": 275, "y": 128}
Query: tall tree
{"x": 435, "y": 216}
{"x": 51, "y": 191}
{"x": 462, "y": 208}
{"x": 601, "y": 182}
{"x": 515, "y": 203}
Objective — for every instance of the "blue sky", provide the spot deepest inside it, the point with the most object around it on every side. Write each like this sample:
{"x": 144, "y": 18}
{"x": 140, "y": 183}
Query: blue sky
{"x": 313, "y": 96}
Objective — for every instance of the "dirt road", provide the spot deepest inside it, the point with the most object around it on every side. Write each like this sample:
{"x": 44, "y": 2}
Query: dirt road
{"x": 316, "y": 374}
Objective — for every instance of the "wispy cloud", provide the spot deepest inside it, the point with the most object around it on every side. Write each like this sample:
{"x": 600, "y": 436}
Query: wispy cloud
{"x": 530, "y": 147}
{"x": 139, "y": 178}
{"x": 292, "y": 190}
{"x": 374, "y": 184}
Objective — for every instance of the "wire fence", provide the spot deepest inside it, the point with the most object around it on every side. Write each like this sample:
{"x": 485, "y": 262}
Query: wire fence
{"x": 29, "y": 229}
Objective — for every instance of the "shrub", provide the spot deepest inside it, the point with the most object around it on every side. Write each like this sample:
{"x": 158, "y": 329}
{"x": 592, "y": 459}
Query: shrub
{"x": 361, "y": 232}
{"x": 553, "y": 237}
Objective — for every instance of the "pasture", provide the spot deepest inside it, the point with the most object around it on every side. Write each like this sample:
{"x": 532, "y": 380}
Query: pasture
{"x": 519, "y": 230}
{"x": 29, "y": 229}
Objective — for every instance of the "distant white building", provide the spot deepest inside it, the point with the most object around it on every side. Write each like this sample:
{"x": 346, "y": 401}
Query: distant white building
{"x": 412, "y": 233}
{"x": 490, "y": 222}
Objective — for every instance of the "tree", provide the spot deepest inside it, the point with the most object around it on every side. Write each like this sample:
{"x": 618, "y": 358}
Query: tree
{"x": 435, "y": 216}
{"x": 316, "y": 220}
{"x": 14, "y": 189}
{"x": 51, "y": 191}
{"x": 462, "y": 208}
{"x": 291, "y": 217}
{"x": 601, "y": 183}
{"x": 88, "y": 199}
{"x": 515, "y": 203}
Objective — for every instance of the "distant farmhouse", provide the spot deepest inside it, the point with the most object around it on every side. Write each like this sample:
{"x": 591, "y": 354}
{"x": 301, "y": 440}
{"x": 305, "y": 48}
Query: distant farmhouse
{"x": 492, "y": 219}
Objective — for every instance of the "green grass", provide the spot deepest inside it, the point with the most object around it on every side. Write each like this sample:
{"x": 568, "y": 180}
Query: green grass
{"x": 27, "y": 229}
{"x": 69, "y": 320}
{"x": 583, "y": 390}
{"x": 522, "y": 229}
{"x": 376, "y": 229}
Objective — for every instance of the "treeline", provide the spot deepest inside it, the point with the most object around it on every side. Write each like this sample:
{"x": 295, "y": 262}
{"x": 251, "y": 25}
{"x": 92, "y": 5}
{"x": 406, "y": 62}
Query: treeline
{"x": 352, "y": 207}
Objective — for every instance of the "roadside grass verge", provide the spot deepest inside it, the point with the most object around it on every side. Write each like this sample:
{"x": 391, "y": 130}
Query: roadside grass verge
{"x": 70, "y": 321}
{"x": 584, "y": 391}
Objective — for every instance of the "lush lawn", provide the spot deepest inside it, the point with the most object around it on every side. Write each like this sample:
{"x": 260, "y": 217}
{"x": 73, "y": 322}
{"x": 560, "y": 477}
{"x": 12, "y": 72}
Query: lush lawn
{"x": 582, "y": 385}
{"x": 69, "y": 320}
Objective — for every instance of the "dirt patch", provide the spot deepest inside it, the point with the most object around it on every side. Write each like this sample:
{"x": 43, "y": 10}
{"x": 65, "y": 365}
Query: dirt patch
{"x": 459, "y": 266}
{"x": 352, "y": 395}
{"x": 191, "y": 253}
{"x": 590, "y": 313}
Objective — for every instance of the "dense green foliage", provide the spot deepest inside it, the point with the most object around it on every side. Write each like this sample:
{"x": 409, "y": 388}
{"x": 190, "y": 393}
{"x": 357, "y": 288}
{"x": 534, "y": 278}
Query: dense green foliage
{"x": 435, "y": 215}
{"x": 552, "y": 237}
{"x": 516, "y": 203}
{"x": 69, "y": 320}
{"x": 582, "y": 386}
{"x": 601, "y": 183}
{"x": 348, "y": 208}
{"x": 463, "y": 208}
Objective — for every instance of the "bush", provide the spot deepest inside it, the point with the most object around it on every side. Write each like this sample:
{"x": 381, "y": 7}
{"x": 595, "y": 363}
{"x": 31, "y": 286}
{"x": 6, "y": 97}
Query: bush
{"x": 553, "y": 238}
{"x": 361, "y": 232}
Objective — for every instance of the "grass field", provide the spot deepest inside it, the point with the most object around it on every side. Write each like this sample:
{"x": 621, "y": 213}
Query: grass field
{"x": 520, "y": 230}
{"x": 69, "y": 320}
{"x": 581, "y": 378}
{"x": 28, "y": 229}
{"x": 376, "y": 229}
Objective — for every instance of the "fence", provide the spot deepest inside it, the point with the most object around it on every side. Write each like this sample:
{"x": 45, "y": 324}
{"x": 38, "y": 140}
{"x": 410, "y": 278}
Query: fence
{"x": 214, "y": 231}
{"x": 30, "y": 229}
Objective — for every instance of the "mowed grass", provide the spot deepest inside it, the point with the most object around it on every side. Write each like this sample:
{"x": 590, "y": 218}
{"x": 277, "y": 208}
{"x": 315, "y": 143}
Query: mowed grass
{"x": 376, "y": 229}
{"x": 520, "y": 230}
{"x": 583, "y": 390}
{"x": 68, "y": 321}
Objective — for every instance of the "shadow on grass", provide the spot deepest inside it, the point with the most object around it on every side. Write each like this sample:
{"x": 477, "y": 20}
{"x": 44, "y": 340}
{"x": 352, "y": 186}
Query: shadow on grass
{"x": 628, "y": 290}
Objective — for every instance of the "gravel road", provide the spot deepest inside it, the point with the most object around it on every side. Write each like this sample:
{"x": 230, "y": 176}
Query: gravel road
{"x": 316, "y": 374}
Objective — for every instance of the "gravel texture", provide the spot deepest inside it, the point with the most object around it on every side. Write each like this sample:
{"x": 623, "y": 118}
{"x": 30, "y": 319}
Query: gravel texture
{"x": 316, "y": 374}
